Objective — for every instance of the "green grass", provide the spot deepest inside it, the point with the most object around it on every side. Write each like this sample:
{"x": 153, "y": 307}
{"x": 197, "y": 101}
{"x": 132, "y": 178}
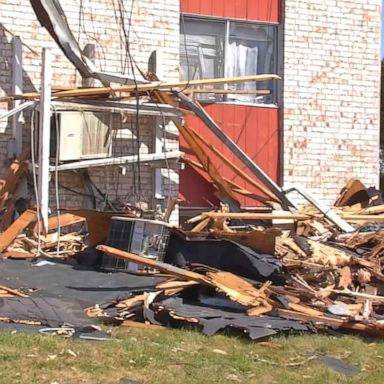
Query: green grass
{"x": 179, "y": 356}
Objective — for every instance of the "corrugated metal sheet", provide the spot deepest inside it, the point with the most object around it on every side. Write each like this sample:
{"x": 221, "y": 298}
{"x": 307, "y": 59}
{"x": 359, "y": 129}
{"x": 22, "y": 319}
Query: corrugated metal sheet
{"x": 255, "y": 130}
{"x": 257, "y": 10}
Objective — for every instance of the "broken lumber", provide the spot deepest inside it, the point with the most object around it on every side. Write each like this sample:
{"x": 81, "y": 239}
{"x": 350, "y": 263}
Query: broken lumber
{"x": 233, "y": 286}
{"x": 256, "y": 216}
{"x": 16, "y": 228}
{"x": 157, "y": 85}
{"x": 162, "y": 267}
{"x": 66, "y": 219}
{"x": 13, "y": 292}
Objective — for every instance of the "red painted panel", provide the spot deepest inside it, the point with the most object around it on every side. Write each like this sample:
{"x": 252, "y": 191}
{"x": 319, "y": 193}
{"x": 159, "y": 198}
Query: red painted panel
{"x": 257, "y": 10}
{"x": 241, "y": 9}
{"x": 254, "y": 129}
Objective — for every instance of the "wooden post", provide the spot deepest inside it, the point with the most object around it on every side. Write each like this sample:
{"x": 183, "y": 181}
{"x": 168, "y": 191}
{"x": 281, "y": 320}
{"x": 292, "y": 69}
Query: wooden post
{"x": 17, "y": 89}
{"x": 44, "y": 136}
{"x": 90, "y": 52}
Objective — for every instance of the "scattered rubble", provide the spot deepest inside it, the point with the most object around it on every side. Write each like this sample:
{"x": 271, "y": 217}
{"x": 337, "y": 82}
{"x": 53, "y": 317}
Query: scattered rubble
{"x": 239, "y": 272}
{"x": 273, "y": 269}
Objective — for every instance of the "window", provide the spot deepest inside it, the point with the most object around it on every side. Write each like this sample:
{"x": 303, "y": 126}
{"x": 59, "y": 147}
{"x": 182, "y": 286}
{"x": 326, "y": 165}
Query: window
{"x": 210, "y": 48}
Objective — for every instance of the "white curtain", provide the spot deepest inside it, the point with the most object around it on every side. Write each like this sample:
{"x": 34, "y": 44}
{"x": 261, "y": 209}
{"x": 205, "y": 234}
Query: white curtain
{"x": 242, "y": 60}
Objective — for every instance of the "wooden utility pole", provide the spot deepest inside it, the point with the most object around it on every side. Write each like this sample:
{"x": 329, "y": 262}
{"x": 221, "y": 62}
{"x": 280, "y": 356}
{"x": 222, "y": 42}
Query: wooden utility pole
{"x": 44, "y": 136}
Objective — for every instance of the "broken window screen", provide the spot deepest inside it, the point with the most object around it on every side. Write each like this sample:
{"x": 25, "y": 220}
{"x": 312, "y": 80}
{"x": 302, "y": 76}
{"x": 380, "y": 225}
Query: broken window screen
{"x": 251, "y": 51}
{"x": 212, "y": 48}
{"x": 202, "y": 51}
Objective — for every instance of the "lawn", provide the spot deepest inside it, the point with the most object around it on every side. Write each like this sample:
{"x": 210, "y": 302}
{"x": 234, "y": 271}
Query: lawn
{"x": 182, "y": 356}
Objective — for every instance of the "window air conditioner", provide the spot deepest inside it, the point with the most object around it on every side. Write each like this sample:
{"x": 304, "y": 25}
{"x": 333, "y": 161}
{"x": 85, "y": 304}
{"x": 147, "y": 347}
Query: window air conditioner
{"x": 82, "y": 135}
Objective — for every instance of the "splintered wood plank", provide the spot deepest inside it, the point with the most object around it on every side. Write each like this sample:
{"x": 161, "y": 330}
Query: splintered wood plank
{"x": 66, "y": 219}
{"x": 260, "y": 310}
{"x": 345, "y": 280}
{"x": 18, "y": 254}
{"x": 98, "y": 223}
{"x": 260, "y": 241}
{"x": 257, "y": 216}
{"x": 236, "y": 288}
{"x": 304, "y": 309}
{"x": 130, "y": 302}
{"x": 163, "y": 267}
{"x": 16, "y": 170}
{"x": 176, "y": 284}
{"x": 13, "y": 292}
{"x": 375, "y": 329}
{"x": 16, "y": 228}
{"x": 153, "y": 86}
{"x": 200, "y": 226}
{"x": 363, "y": 218}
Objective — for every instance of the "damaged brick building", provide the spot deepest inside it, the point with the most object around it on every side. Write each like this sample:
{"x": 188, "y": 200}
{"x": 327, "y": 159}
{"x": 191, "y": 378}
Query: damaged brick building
{"x": 309, "y": 129}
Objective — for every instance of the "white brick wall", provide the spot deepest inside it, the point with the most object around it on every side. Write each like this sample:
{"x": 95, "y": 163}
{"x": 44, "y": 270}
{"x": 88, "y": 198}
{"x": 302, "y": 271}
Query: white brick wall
{"x": 155, "y": 24}
{"x": 331, "y": 94}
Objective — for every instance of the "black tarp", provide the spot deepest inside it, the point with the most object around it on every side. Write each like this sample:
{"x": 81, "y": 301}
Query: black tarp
{"x": 214, "y": 319}
{"x": 225, "y": 255}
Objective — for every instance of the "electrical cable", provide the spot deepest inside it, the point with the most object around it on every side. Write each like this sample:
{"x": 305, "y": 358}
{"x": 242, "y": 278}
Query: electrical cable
{"x": 57, "y": 181}
{"x": 126, "y": 33}
{"x": 38, "y": 215}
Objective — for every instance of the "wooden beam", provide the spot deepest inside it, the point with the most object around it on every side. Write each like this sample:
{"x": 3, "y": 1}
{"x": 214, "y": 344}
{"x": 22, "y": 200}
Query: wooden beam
{"x": 156, "y": 85}
{"x": 226, "y": 91}
{"x": 66, "y": 219}
{"x": 13, "y": 292}
{"x": 256, "y": 216}
{"x": 16, "y": 228}
{"x": 358, "y": 218}
{"x": 162, "y": 267}
{"x": 374, "y": 329}
{"x": 236, "y": 288}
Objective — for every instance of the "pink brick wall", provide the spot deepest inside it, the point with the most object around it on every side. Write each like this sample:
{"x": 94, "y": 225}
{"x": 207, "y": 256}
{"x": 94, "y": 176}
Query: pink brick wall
{"x": 331, "y": 94}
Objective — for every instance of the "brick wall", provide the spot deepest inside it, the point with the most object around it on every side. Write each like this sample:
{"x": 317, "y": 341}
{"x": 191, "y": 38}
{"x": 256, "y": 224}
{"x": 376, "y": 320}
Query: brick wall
{"x": 331, "y": 94}
{"x": 155, "y": 24}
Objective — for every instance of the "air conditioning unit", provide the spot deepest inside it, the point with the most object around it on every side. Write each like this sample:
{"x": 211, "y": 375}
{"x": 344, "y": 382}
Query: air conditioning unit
{"x": 82, "y": 135}
{"x": 147, "y": 238}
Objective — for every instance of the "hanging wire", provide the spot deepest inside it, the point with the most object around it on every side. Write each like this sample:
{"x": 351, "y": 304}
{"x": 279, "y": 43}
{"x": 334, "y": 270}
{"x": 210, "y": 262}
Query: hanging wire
{"x": 132, "y": 63}
{"x": 57, "y": 180}
{"x": 38, "y": 215}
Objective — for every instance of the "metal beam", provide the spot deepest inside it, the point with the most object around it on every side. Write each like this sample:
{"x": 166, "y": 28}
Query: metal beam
{"x": 52, "y": 17}
{"x": 17, "y": 109}
{"x": 239, "y": 153}
{"x": 110, "y": 161}
{"x": 259, "y": 173}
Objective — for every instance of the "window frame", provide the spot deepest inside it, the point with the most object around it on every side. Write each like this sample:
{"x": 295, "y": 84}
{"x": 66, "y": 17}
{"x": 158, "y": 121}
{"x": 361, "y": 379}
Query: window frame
{"x": 276, "y": 88}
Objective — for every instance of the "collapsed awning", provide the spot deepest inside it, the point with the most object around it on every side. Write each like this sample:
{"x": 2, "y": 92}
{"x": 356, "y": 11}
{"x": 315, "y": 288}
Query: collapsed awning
{"x": 52, "y": 17}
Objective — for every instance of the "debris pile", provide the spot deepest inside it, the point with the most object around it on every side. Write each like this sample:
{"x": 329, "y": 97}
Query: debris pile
{"x": 327, "y": 279}
{"x": 233, "y": 271}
